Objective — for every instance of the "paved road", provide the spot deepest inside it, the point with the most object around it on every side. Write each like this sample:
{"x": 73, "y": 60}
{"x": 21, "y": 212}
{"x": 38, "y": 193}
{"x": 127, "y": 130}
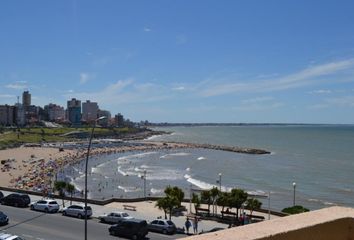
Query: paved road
{"x": 40, "y": 226}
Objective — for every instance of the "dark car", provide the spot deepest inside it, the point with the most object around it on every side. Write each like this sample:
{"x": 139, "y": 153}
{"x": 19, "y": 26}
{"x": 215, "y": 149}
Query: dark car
{"x": 16, "y": 199}
{"x": 3, "y": 219}
{"x": 130, "y": 228}
{"x": 163, "y": 226}
{"x": 1, "y": 195}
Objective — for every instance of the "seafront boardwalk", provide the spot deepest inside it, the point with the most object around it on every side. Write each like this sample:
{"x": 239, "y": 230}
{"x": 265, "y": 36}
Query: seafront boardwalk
{"x": 146, "y": 210}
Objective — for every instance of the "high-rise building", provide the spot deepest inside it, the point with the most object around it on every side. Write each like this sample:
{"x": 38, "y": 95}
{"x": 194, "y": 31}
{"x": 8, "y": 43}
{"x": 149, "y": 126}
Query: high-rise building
{"x": 74, "y": 111}
{"x": 54, "y": 112}
{"x": 106, "y": 114}
{"x": 26, "y": 99}
{"x": 89, "y": 111}
{"x": 7, "y": 115}
{"x": 119, "y": 120}
{"x": 20, "y": 115}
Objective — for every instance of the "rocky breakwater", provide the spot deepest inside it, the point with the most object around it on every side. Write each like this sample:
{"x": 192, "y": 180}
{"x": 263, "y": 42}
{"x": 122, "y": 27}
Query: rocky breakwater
{"x": 209, "y": 146}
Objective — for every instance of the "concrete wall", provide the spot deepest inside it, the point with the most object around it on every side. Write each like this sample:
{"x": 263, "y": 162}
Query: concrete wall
{"x": 334, "y": 223}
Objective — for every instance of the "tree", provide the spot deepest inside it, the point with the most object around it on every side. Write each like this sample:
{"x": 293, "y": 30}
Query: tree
{"x": 223, "y": 200}
{"x": 253, "y": 204}
{"x": 196, "y": 202}
{"x": 60, "y": 187}
{"x": 162, "y": 204}
{"x": 295, "y": 209}
{"x": 175, "y": 192}
{"x": 237, "y": 198}
{"x": 206, "y": 198}
{"x": 173, "y": 199}
{"x": 70, "y": 188}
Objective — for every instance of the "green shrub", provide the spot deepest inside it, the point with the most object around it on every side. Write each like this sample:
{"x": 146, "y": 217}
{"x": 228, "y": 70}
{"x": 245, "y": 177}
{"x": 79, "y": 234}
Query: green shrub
{"x": 295, "y": 210}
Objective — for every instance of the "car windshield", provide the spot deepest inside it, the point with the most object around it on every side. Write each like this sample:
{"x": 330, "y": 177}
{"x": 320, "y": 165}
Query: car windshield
{"x": 53, "y": 202}
{"x": 125, "y": 215}
{"x": 170, "y": 223}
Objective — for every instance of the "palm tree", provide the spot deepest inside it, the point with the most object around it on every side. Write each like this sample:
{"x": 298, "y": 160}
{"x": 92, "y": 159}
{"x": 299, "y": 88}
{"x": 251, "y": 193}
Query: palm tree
{"x": 162, "y": 204}
{"x": 253, "y": 204}
{"x": 196, "y": 202}
{"x": 175, "y": 192}
{"x": 206, "y": 198}
{"x": 223, "y": 200}
{"x": 70, "y": 188}
{"x": 60, "y": 187}
{"x": 237, "y": 198}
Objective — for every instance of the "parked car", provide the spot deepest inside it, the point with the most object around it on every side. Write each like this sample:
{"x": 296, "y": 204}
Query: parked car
{"x": 16, "y": 199}
{"x": 48, "y": 206}
{"x": 7, "y": 236}
{"x": 114, "y": 217}
{"x": 1, "y": 195}
{"x": 130, "y": 228}
{"x": 163, "y": 226}
{"x": 77, "y": 211}
{"x": 3, "y": 219}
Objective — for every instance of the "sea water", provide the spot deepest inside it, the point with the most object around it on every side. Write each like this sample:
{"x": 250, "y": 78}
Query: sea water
{"x": 318, "y": 158}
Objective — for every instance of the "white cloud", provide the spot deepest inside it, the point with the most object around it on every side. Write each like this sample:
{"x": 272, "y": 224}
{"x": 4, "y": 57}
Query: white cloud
{"x": 85, "y": 77}
{"x": 146, "y": 29}
{"x": 257, "y": 100}
{"x": 321, "y": 91}
{"x": 345, "y": 101}
{"x": 7, "y": 96}
{"x": 17, "y": 85}
{"x": 124, "y": 92}
{"x": 308, "y": 76}
{"x": 181, "y": 88}
{"x": 258, "y": 107}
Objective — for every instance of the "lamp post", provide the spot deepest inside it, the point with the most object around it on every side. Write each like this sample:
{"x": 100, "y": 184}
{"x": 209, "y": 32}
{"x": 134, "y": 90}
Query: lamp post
{"x": 145, "y": 184}
{"x": 269, "y": 205}
{"x": 220, "y": 181}
{"x": 86, "y": 163}
{"x": 294, "y": 185}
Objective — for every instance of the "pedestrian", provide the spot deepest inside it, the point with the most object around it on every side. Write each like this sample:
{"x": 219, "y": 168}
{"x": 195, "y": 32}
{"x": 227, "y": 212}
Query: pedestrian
{"x": 195, "y": 225}
{"x": 187, "y": 224}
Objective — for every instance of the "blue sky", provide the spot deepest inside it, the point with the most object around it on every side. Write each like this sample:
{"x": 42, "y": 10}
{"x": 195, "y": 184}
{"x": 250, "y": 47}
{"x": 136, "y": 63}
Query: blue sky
{"x": 184, "y": 61}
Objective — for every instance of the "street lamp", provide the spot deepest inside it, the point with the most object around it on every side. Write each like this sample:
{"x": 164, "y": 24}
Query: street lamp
{"x": 294, "y": 185}
{"x": 86, "y": 163}
{"x": 145, "y": 184}
{"x": 220, "y": 181}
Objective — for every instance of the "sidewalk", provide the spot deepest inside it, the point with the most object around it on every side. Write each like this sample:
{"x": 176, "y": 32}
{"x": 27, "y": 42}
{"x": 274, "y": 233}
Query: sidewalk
{"x": 144, "y": 210}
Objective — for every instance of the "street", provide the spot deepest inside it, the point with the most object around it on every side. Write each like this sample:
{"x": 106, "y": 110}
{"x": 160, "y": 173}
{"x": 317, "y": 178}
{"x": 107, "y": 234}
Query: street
{"x": 41, "y": 226}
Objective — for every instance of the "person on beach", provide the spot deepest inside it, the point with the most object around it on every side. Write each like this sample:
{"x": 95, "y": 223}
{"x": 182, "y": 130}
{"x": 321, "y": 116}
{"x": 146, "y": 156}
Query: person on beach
{"x": 187, "y": 224}
{"x": 195, "y": 225}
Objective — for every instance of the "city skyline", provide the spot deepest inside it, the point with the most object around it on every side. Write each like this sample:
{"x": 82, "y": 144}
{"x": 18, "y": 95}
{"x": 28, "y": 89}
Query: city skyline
{"x": 200, "y": 61}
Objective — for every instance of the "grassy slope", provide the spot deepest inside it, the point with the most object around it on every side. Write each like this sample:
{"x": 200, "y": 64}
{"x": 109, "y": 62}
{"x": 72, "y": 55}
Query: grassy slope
{"x": 36, "y": 135}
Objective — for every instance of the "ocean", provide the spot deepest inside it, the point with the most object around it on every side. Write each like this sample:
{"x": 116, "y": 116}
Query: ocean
{"x": 318, "y": 158}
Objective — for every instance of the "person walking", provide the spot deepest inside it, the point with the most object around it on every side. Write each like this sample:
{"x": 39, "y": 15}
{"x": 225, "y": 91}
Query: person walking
{"x": 195, "y": 225}
{"x": 187, "y": 224}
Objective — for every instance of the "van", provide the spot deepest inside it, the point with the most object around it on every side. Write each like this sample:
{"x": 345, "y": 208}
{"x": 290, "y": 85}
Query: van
{"x": 130, "y": 228}
{"x": 16, "y": 200}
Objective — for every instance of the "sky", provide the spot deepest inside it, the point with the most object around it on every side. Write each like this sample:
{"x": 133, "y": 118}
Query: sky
{"x": 224, "y": 61}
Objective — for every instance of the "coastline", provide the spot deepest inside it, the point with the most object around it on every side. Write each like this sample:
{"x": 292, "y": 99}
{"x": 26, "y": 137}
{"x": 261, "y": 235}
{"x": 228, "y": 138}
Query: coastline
{"x": 33, "y": 168}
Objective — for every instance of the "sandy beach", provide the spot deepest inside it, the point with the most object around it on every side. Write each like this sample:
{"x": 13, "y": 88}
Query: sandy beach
{"x": 23, "y": 162}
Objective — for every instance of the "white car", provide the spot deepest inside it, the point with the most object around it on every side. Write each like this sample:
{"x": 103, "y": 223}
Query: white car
{"x": 114, "y": 217}
{"x": 46, "y": 205}
{"x": 6, "y": 236}
{"x": 77, "y": 211}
